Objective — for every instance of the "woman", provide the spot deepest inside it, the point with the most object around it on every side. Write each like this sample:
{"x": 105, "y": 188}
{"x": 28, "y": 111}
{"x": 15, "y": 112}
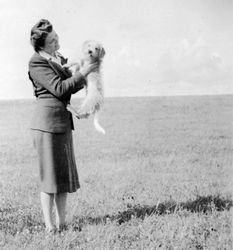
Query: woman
{"x": 52, "y": 123}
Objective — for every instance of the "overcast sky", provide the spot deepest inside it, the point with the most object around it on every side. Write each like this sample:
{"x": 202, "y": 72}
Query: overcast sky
{"x": 153, "y": 47}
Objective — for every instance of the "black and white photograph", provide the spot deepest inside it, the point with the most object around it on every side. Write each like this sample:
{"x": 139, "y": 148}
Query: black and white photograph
{"x": 116, "y": 124}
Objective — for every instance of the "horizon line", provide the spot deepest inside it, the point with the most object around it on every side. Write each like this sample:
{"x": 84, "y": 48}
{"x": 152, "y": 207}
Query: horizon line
{"x": 126, "y": 96}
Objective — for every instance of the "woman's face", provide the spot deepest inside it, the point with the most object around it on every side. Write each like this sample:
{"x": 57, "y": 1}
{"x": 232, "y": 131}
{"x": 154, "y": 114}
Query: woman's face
{"x": 51, "y": 43}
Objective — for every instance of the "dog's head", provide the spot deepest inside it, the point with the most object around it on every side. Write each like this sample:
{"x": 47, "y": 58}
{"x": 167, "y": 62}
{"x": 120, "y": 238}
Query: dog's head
{"x": 93, "y": 50}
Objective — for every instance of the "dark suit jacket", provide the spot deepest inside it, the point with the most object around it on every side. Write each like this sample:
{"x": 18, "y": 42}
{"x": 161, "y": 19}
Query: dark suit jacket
{"x": 53, "y": 87}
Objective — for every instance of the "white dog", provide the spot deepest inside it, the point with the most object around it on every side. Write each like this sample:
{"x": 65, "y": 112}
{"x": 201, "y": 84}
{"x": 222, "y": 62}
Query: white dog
{"x": 92, "y": 103}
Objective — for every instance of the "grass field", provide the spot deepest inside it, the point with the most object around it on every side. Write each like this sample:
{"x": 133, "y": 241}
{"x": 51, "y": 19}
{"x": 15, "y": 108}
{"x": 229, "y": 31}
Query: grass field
{"x": 161, "y": 177}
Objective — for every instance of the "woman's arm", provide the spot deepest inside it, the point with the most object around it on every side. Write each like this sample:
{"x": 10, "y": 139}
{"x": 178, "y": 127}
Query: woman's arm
{"x": 42, "y": 73}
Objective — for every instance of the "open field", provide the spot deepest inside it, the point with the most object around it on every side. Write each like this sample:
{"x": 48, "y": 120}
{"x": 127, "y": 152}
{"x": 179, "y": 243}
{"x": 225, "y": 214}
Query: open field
{"x": 161, "y": 178}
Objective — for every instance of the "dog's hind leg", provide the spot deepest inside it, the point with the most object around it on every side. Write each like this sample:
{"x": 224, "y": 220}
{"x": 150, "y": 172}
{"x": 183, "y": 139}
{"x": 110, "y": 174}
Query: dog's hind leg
{"x": 98, "y": 127}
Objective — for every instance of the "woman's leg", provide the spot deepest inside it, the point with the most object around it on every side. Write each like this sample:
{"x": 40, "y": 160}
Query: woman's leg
{"x": 60, "y": 201}
{"x": 47, "y": 201}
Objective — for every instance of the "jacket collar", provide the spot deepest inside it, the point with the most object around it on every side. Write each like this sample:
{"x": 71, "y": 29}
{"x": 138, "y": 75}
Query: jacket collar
{"x": 56, "y": 58}
{"x": 58, "y": 68}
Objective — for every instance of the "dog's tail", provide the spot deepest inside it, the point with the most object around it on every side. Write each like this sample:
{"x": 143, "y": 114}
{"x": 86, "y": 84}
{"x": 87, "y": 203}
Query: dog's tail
{"x": 98, "y": 127}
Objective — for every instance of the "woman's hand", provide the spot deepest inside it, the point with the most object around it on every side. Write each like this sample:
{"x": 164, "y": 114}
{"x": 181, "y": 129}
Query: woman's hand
{"x": 88, "y": 68}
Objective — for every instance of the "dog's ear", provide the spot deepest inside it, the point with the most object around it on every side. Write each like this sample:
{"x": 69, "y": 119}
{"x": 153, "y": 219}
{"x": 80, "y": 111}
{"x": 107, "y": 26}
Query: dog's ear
{"x": 102, "y": 52}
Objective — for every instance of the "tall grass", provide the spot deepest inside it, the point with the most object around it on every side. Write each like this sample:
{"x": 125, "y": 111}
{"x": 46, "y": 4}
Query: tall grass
{"x": 161, "y": 177}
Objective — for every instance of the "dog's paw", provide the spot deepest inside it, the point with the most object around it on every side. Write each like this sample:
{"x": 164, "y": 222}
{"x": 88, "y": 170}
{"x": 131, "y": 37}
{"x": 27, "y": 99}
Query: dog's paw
{"x": 73, "y": 67}
{"x": 88, "y": 107}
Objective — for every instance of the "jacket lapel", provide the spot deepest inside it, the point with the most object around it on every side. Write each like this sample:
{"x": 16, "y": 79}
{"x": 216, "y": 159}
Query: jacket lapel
{"x": 63, "y": 72}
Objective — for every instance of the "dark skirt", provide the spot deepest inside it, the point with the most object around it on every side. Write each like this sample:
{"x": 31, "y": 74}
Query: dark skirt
{"x": 58, "y": 172}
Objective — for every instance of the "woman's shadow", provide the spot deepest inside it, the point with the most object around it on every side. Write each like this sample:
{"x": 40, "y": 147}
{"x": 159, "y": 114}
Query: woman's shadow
{"x": 13, "y": 221}
{"x": 202, "y": 204}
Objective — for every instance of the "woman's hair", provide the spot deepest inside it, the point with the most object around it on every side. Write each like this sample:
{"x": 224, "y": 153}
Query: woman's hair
{"x": 39, "y": 33}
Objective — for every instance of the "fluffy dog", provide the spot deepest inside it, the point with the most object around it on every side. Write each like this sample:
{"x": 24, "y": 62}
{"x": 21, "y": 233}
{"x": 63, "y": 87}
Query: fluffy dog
{"x": 92, "y": 52}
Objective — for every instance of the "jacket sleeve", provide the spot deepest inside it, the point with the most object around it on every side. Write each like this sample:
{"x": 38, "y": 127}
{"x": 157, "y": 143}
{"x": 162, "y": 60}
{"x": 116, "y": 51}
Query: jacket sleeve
{"x": 44, "y": 75}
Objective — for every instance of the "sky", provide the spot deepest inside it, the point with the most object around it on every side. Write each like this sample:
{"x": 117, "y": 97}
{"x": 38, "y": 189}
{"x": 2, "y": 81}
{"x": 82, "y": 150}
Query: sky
{"x": 153, "y": 47}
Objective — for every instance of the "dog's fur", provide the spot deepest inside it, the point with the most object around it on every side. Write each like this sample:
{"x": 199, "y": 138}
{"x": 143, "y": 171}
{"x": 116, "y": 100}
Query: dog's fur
{"x": 92, "y": 52}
